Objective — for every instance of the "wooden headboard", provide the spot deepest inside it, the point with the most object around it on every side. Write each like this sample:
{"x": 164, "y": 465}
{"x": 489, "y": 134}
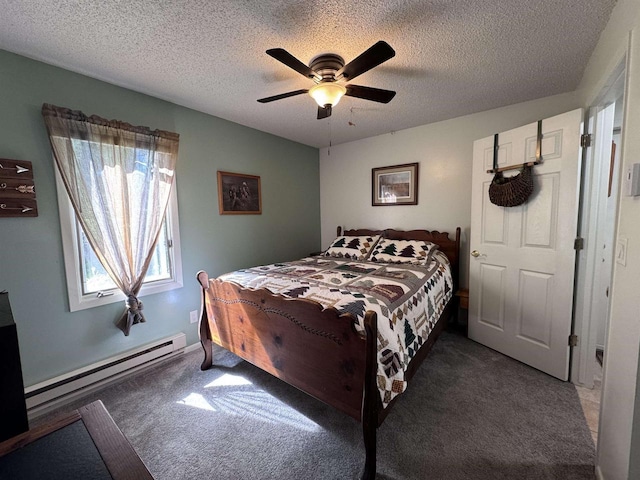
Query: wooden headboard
{"x": 451, "y": 248}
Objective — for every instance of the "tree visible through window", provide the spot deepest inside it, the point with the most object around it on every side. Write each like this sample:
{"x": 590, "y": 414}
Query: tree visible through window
{"x": 95, "y": 278}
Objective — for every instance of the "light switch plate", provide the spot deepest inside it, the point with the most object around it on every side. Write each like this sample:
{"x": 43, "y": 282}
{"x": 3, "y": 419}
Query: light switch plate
{"x": 621, "y": 251}
{"x": 193, "y": 316}
{"x": 632, "y": 180}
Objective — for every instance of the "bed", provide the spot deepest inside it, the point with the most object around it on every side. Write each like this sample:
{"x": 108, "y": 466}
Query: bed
{"x": 326, "y": 332}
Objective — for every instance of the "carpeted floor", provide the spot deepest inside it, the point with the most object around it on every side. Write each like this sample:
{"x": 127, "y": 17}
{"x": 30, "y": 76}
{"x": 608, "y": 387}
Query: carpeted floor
{"x": 470, "y": 413}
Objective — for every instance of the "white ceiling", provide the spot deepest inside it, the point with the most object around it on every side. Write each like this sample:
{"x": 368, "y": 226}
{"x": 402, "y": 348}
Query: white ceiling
{"x": 453, "y": 57}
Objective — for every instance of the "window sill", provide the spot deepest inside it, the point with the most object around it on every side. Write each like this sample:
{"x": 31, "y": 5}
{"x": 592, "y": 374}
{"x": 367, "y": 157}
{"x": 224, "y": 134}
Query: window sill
{"x": 91, "y": 301}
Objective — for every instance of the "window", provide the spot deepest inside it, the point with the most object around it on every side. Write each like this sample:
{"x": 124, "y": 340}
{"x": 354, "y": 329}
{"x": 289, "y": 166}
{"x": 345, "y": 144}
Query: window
{"x": 119, "y": 179}
{"x": 88, "y": 284}
{"x": 95, "y": 279}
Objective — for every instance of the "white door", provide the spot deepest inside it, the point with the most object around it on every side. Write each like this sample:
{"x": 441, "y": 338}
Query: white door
{"x": 523, "y": 259}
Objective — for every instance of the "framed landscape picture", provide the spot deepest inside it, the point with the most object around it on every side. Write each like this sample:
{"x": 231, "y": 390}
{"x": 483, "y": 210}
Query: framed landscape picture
{"x": 394, "y": 185}
{"x": 239, "y": 194}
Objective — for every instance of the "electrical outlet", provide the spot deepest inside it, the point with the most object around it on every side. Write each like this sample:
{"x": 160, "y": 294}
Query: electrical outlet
{"x": 193, "y": 316}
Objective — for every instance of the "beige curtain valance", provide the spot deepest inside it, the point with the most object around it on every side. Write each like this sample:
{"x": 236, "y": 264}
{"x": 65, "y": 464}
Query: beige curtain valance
{"x": 63, "y": 113}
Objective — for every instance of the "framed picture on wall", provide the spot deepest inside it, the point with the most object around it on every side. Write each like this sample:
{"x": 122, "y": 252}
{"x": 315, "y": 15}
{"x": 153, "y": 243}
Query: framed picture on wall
{"x": 394, "y": 185}
{"x": 239, "y": 194}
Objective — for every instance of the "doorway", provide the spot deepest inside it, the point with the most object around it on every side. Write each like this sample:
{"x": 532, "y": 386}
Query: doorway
{"x": 601, "y": 190}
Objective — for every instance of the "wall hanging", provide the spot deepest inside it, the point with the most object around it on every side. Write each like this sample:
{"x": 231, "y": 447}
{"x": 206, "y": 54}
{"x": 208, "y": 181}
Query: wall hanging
{"x": 515, "y": 190}
{"x": 395, "y": 185}
{"x": 17, "y": 191}
{"x": 239, "y": 194}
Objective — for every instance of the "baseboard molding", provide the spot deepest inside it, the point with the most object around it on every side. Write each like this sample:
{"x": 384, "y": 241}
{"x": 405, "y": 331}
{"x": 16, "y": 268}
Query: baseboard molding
{"x": 193, "y": 347}
{"x": 61, "y": 401}
{"x": 37, "y": 411}
{"x": 65, "y": 399}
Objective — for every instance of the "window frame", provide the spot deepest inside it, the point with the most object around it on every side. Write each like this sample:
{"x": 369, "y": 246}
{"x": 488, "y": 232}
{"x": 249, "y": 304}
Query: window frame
{"x": 72, "y": 256}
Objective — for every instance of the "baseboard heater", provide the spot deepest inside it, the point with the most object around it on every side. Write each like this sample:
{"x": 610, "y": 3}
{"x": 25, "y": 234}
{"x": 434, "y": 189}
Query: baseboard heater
{"x": 50, "y": 393}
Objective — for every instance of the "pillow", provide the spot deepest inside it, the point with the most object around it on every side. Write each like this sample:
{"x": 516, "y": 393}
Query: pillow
{"x": 356, "y": 248}
{"x": 403, "y": 251}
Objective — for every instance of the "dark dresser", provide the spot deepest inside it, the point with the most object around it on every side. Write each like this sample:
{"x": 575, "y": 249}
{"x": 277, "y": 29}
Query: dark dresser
{"x": 13, "y": 410}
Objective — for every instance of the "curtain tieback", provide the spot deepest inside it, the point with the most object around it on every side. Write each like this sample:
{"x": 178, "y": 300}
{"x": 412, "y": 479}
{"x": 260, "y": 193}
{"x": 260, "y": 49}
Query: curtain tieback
{"x": 133, "y": 313}
{"x": 134, "y": 306}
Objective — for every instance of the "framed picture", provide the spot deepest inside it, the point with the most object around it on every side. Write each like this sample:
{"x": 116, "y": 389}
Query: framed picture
{"x": 239, "y": 194}
{"x": 395, "y": 185}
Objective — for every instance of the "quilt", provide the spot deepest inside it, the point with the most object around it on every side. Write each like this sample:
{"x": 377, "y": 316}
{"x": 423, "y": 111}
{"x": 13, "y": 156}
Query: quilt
{"x": 407, "y": 298}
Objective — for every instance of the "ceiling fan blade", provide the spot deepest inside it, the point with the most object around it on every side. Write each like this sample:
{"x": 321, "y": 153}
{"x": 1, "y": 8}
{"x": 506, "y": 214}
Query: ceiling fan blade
{"x": 374, "y": 56}
{"x": 282, "y": 95}
{"x": 324, "y": 112}
{"x": 290, "y": 61}
{"x": 368, "y": 93}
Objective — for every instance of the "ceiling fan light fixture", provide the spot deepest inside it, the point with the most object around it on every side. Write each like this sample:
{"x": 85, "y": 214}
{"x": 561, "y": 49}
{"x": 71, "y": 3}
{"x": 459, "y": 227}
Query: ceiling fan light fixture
{"x": 327, "y": 69}
{"x": 327, "y": 93}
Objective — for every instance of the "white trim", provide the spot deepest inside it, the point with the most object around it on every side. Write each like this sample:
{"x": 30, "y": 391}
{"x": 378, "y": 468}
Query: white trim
{"x": 585, "y": 263}
{"x": 599, "y": 474}
{"x": 78, "y": 301}
{"x": 193, "y": 347}
{"x": 603, "y": 235}
{"x": 594, "y": 216}
{"x": 591, "y": 222}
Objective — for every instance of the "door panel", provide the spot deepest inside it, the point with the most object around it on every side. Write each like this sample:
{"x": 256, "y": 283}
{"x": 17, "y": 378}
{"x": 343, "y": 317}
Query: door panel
{"x": 492, "y": 295}
{"x": 494, "y": 221}
{"x": 521, "y": 281}
{"x": 535, "y": 290}
{"x": 540, "y": 219}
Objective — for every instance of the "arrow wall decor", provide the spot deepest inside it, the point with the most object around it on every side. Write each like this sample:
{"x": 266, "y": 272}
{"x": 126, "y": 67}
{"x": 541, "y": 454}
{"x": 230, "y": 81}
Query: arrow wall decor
{"x": 17, "y": 191}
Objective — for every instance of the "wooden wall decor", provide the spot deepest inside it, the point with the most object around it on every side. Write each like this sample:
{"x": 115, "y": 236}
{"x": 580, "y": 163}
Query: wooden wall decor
{"x": 17, "y": 190}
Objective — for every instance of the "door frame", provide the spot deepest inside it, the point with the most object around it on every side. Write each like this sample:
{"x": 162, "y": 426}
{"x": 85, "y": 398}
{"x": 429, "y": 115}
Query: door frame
{"x": 590, "y": 220}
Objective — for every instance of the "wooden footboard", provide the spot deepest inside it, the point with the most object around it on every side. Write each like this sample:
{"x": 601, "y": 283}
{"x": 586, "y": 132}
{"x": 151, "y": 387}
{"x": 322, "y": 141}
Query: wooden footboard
{"x": 318, "y": 351}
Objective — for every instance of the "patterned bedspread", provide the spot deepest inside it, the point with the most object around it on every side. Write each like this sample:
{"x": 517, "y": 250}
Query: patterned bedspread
{"x": 407, "y": 298}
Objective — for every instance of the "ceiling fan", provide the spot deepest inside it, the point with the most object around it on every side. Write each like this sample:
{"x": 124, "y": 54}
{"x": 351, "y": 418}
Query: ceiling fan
{"x": 328, "y": 69}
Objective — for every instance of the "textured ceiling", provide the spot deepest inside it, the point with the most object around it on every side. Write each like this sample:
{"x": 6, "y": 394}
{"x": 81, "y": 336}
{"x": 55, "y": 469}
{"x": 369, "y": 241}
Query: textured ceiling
{"x": 453, "y": 57}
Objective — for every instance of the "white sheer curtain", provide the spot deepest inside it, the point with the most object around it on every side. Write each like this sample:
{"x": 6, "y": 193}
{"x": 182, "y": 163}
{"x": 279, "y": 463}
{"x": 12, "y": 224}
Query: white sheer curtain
{"x": 118, "y": 178}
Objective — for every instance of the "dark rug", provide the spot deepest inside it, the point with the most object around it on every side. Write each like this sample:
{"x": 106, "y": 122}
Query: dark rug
{"x": 470, "y": 413}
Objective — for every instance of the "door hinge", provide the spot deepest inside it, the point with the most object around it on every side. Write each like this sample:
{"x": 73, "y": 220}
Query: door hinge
{"x": 578, "y": 243}
{"x": 573, "y": 340}
{"x": 585, "y": 140}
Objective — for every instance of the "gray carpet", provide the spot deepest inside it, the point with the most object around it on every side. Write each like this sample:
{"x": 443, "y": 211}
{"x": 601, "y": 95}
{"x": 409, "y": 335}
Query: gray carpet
{"x": 470, "y": 413}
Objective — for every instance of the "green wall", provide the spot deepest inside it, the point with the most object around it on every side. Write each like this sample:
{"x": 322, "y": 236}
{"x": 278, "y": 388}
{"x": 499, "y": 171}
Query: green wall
{"x": 53, "y": 340}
